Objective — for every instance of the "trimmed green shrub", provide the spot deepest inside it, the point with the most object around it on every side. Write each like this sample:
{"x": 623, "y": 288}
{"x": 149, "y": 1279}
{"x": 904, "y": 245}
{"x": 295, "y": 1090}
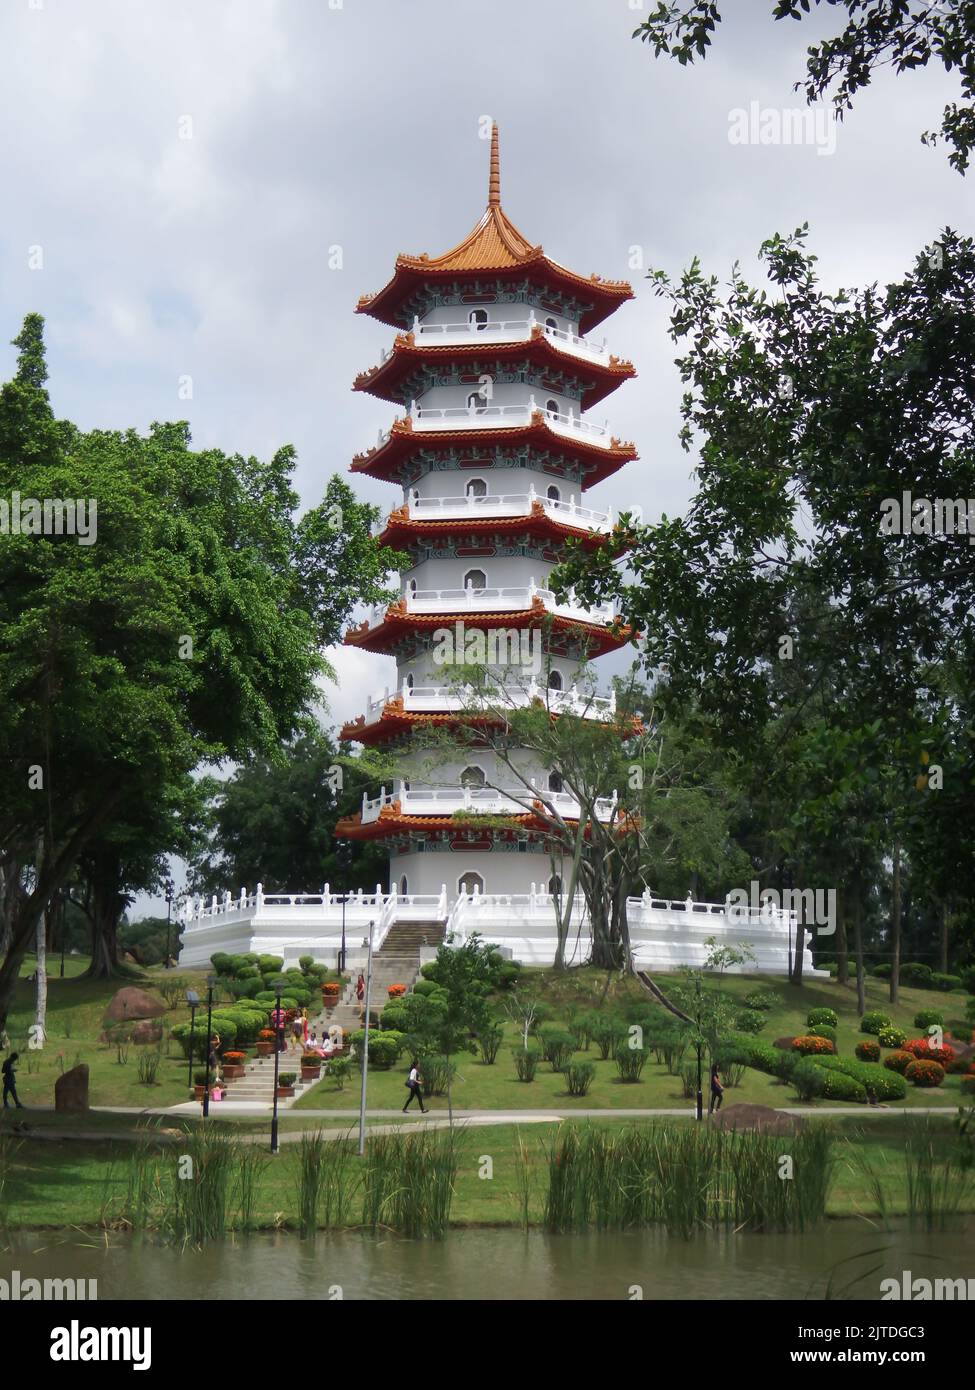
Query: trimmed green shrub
{"x": 882, "y": 1085}
{"x": 630, "y": 1062}
{"x": 945, "y": 982}
{"x": 868, "y": 1051}
{"x": 763, "y": 999}
{"x": 916, "y": 973}
{"x": 891, "y": 1036}
{"x": 270, "y": 965}
{"x": 815, "y": 1017}
{"x": 873, "y": 1020}
{"x": 968, "y": 978}
{"x": 823, "y": 1030}
{"x": 881, "y": 972}
{"x": 750, "y": 1021}
{"x": 579, "y": 1077}
{"x": 929, "y": 1018}
{"x": 898, "y": 1062}
{"x": 967, "y": 1085}
{"x": 808, "y": 1079}
{"x": 394, "y": 1019}
{"x": 526, "y": 1062}
{"x": 424, "y": 988}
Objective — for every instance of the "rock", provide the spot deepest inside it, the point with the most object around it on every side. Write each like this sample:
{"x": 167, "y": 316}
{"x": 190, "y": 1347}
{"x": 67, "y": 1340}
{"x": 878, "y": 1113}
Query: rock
{"x": 131, "y": 1003}
{"x": 147, "y": 1031}
{"x": 756, "y": 1117}
{"x": 784, "y": 1043}
{"x": 71, "y": 1089}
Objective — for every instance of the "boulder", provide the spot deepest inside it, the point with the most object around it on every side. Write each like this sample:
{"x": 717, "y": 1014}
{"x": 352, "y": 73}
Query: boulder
{"x": 132, "y": 1003}
{"x": 147, "y": 1031}
{"x": 71, "y": 1089}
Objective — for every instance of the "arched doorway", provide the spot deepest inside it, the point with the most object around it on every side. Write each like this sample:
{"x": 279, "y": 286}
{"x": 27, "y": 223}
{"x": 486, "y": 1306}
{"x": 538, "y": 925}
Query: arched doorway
{"x": 476, "y": 580}
{"x": 470, "y": 883}
{"x": 472, "y": 778}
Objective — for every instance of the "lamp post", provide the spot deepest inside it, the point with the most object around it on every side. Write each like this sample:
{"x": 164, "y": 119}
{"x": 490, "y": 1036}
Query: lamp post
{"x": 700, "y": 1097}
{"x": 211, "y": 981}
{"x": 169, "y": 918}
{"x": 275, "y": 1147}
{"x": 193, "y": 999}
{"x": 343, "y": 853}
{"x": 365, "y": 1048}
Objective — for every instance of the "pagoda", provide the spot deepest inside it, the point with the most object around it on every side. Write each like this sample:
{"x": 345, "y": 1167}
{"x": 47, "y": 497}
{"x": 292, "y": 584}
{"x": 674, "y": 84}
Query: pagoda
{"x": 494, "y": 370}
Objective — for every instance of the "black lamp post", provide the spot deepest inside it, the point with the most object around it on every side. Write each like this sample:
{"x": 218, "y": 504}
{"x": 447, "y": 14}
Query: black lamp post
{"x": 193, "y": 999}
{"x": 343, "y": 853}
{"x": 169, "y": 917}
{"x": 211, "y": 981}
{"x": 700, "y": 1096}
{"x": 278, "y": 1030}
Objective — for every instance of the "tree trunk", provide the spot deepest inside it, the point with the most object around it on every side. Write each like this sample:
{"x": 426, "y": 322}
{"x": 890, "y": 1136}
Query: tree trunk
{"x": 895, "y": 927}
{"x": 943, "y": 941}
{"x": 842, "y": 953}
{"x": 858, "y": 948}
{"x": 40, "y": 1009}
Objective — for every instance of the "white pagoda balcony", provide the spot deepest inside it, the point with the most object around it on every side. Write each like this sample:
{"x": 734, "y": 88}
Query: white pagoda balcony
{"x": 484, "y": 801}
{"x": 472, "y": 417}
{"x": 447, "y": 699}
{"x": 503, "y": 331}
{"x": 570, "y": 513}
{"x": 513, "y": 599}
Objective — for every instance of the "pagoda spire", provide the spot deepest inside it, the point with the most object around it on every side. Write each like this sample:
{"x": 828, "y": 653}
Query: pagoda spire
{"x": 494, "y": 182}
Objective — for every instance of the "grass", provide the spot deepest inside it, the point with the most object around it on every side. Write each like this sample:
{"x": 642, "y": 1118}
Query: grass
{"x": 500, "y": 1176}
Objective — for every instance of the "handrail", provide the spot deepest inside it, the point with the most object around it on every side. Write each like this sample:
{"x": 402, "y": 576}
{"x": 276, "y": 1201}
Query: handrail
{"x": 515, "y": 504}
{"x": 506, "y": 327}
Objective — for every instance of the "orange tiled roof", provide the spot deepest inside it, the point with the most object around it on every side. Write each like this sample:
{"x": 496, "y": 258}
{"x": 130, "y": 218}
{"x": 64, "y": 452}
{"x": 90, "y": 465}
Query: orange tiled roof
{"x": 495, "y": 244}
{"x": 391, "y": 821}
{"x": 400, "y": 529}
{"x": 398, "y": 621}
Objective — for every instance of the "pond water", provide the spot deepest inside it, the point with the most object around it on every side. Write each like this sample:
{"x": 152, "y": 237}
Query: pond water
{"x": 502, "y": 1264}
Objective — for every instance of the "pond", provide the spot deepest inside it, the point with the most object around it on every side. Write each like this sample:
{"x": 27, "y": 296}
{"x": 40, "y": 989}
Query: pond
{"x": 499, "y": 1264}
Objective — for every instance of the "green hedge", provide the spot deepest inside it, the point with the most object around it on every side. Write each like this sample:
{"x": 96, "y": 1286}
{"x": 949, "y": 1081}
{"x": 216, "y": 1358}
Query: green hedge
{"x": 817, "y": 1017}
{"x": 873, "y": 1020}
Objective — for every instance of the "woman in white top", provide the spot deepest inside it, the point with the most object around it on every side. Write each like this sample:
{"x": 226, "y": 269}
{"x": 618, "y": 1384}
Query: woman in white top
{"x": 414, "y": 1083}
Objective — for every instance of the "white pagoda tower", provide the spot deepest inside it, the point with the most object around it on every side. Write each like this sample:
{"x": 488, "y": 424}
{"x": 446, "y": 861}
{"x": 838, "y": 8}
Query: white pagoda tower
{"x": 494, "y": 451}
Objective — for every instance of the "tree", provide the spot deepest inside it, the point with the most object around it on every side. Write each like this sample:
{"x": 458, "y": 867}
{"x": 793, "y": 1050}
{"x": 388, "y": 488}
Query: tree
{"x": 899, "y": 34}
{"x": 463, "y": 976}
{"x": 188, "y": 632}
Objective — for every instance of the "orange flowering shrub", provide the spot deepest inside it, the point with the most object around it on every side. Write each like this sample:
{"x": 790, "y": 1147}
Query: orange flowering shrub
{"x": 898, "y": 1061}
{"x": 395, "y": 991}
{"x": 810, "y": 1044}
{"x": 868, "y": 1051}
{"x": 922, "y": 1073}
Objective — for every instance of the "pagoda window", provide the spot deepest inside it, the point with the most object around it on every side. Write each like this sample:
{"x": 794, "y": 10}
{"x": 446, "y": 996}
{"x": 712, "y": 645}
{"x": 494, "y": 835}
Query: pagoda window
{"x": 553, "y": 494}
{"x": 554, "y": 782}
{"x": 472, "y": 777}
{"x": 475, "y": 579}
{"x": 555, "y": 680}
{"x": 476, "y": 402}
{"x": 478, "y": 319}
{"x": 551, "y": 323}
{"x": 552, "y": 408}
{"x": 469, "y": 884}
{"x": 477, "y": 487}
{"x": 403, "y": 887}
{"x": 409, "y": 681}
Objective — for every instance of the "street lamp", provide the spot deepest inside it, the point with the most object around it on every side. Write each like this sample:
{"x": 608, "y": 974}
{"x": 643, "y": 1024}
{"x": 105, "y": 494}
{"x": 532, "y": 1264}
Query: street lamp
{"x": 278, "y": 1033}
{"x": 211, "y": 982}
{"x": 365, "y": 1047}
{"x": 700, "y": 1097}
{"x": 170, "y": 890}
{"x": 193, "y": 999}
{"x": 343, "y": 854}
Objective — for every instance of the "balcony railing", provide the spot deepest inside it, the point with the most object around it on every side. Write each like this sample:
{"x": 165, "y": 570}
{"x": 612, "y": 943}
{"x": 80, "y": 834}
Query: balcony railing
{"x": 509, "y": 504}
{"x": 507, "y": 331}
{"x": 510, "y": 599}
{"x": 468, "y": 417}
{"x": 485, "y": 801}
{"x": 449, "y": 698}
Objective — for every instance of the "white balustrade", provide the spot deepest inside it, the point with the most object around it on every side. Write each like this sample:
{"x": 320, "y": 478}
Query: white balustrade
{"x": 507, "y": 331}
{"x": 419, "y": 699}
{"x": 460, "y": 417}
{"x": 507, "y": 599}
{"x": 509, "y": 504}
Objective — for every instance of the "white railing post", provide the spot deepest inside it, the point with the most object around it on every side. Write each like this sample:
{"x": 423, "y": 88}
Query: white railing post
{"x": 259, "y": 896}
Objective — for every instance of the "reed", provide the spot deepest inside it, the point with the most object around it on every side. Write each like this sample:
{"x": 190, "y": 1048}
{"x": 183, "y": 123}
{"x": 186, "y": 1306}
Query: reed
{"x": 201, "y": 1188}
{"x": 408, "y": 1183}
{"x": 249, "y": 1169}
{"x": 687, "y": 1178}
{"x": 936, "y": 1185}
{"x": 309, "y": 1180}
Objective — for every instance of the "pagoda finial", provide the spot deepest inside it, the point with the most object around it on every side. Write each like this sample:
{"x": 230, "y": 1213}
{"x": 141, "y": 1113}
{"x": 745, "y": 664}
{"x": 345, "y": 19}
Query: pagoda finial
{"x": 494, "y": 183}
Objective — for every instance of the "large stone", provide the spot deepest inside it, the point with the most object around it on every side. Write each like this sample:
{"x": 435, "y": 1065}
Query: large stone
{"x": 132, "y": 1003}
{"x": 71, "y": 1089}
{"x": 148, "y": 1031}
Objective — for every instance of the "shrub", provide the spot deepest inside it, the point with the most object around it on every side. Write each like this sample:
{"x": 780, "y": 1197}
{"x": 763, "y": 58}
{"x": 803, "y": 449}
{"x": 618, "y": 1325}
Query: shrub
{"x": 581, "y": 1027}
{"x": 811, "y": 1046}
{"x": 557, "y": 1048}
{"x": 823, "y": 1030}
{"x": 311, "y": 1059}
{"x": 394, "y": 1019}
{"x": 424, "y": 988}
{"x": 287, "y": 1078}
{"x": 607, "y": 1033}
{"x": 437, "y": 1073}
{"x": 385, "y": 1048}
{"x": 750, "y": 1053}
{"x": 968, "y": 978}
{"x": 630, "y": 1062}
{"x": 395, "y": 991}
{"x": 750, "y": 1021}
{"x": 875, "y": 1019}
{"x": 929, "y": 1018}
{"x": 891, "y": 1036}
{"x": 579, "y": 1077}
{"x": 945, "y": 982}
{"x": 808, "y": 1079}
{"x": 898, "y": 1061}
{"x": 881, "y": 972}
{"x": 967, "y": 1085}
{"x": 915, "y": 973}
{"x": 917, "y": 1047}
{"x": 868, "y": 1051}
{"x": 819, "y": 1016}
{"x": 489, "y": 1041}
{"x": 923, "y": 1073}
{"x": 526, "y": 1062}
{"x": 811, "y": 1080}
{"x": 235, "y": 1059}
{"x": 877, "y": 1083}
{"x": 764, "y": 999}
{"x": 270, "y": 965}
{"x": 688, "y": 1077}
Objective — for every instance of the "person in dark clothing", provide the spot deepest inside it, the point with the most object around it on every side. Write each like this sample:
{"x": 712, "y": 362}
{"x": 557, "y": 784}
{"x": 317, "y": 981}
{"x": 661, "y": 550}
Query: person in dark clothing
{"x": 717, "y": 1090}
{"x": 10, "y": 1082}
{"x": 414, "y": 1083}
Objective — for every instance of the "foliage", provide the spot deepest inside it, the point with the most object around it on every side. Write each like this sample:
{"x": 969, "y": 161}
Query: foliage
{"x": 924, "y": 1073}
{"x": 526, "y": 1062}
{"x": 868, "y": 1051}
{"x": 813, "y": 1045}
{"x": 874, "y": 1020}
{"x": 579, "y": 1077}
{"x": 823, "y": 1015}
{"x": 630, "y": 1062}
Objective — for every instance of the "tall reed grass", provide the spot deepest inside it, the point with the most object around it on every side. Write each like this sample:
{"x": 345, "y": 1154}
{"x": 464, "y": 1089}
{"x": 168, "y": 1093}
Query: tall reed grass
{"x": 408, "y": 1182}
{"x": 326, "y": 1180}
{"x": 687, "y": 1179}
{"x": 936, "y": 1185}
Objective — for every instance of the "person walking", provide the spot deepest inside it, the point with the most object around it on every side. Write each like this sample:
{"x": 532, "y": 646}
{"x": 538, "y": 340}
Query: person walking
{"x": 415, "y": 1083}
{"x": 10, "y": 1082}
{"x": 717, "y": 1090}
{"x": 360, "y": 994}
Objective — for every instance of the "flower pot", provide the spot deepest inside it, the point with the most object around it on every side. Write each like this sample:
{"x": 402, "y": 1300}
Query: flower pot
{"x": 231, "y": 1072}
{"x": 310, "y": 1073}
{"x": 264, "y": 1049}
{"x": 199, "y": 1092}
{"x": 285, "y": 1091}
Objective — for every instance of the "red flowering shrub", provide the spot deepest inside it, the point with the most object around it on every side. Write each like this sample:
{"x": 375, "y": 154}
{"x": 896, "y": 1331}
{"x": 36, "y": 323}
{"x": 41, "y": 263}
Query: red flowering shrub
{"x": 810, "y": 1044}
{"x": 235, "y": 1058}
{"x": 898, "y": 1061}
{"x": 868, "y": 1051}
{"x": 968, "y": 1086}
{"x": 922, "y": 1073}
{"x": 922, "y": 1049}
{"x": 395, "y": 991}
{"x": 917, "y": 1047}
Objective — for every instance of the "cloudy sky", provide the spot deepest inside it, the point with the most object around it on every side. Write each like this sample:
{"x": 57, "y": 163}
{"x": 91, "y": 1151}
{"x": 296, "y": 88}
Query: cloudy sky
{"x": 185, "y": 170}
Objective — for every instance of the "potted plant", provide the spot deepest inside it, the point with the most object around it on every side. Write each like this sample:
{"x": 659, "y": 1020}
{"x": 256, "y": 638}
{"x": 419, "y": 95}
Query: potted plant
{"x": 396, "y": 991}
{"x": 311, "y": 1066}
{"x": 199, "y": 1085}
{"x": 286, "y": 1084}
{"x": 233, "y": 1065}
{"x": 330, "y": 994}
{"x": 265, "y": 1042}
